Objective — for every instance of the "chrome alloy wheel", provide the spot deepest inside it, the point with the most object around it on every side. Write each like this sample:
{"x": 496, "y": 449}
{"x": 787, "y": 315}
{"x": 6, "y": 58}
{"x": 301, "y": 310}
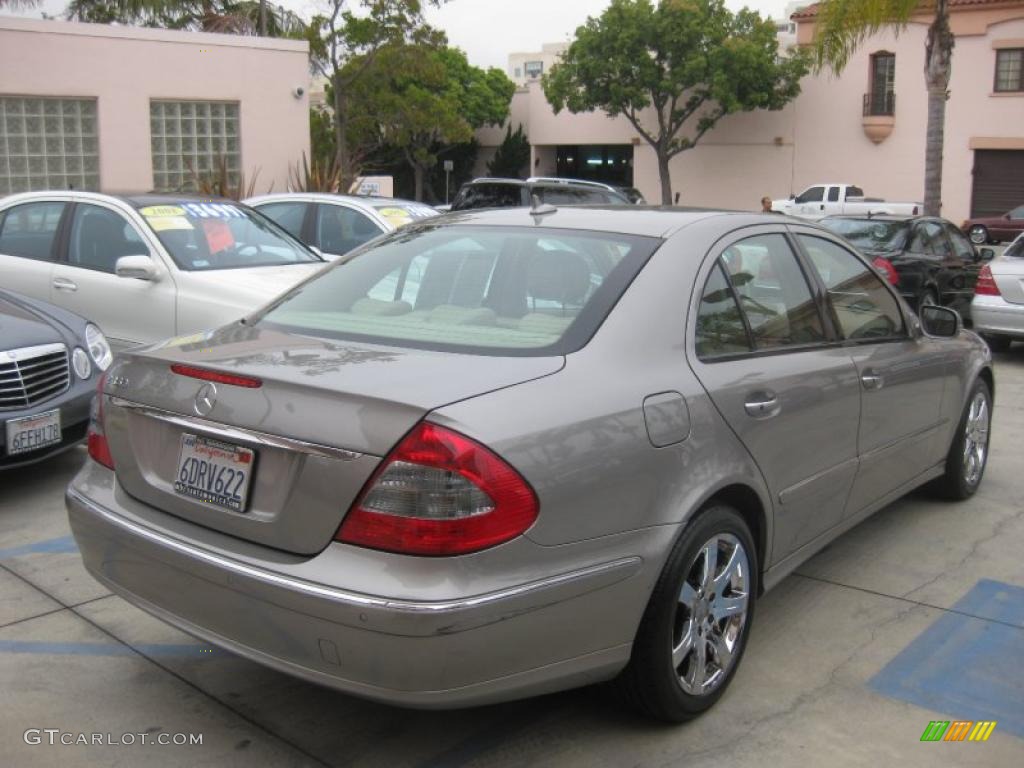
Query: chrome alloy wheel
{"x": 976, "y": 438}
{"x": 712, "y": 609}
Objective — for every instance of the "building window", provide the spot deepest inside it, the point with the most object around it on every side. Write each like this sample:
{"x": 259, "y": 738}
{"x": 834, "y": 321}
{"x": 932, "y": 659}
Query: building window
{"x": 534, "y": 69}
{"x": 519, "y": 71}
{"x": 881, "y": 99}
{"x": 193, "y": 138}
{"x": 1009, "y": 69}
{"x": 48, "y": 144}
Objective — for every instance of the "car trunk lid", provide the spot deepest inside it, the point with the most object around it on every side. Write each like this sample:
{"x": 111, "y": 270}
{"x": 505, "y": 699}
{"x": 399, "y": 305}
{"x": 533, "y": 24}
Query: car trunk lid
{"x": 323, "y": 415}
{"x": 1009, "y": 276}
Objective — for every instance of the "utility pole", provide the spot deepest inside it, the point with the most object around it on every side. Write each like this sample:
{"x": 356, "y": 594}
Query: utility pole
{"x": 449, "y": 166}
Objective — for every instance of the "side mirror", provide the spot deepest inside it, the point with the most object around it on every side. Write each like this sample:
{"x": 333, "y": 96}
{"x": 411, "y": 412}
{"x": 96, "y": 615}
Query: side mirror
{"x": 986, "y": 254}
{"x": 139, "y": 267}
{"x": 940, "y": 321}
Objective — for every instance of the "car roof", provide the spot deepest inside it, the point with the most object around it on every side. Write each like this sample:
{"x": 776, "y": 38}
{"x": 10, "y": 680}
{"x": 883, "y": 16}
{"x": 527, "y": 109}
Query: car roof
{"x": 883, "y": 217}
{"x": 141, "y": 201}
{"x": 643, "y": 220}
{"x": 373, "y": 201}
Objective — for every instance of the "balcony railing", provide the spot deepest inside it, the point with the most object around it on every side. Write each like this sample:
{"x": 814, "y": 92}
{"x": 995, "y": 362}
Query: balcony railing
{"x": 879, "y": 103}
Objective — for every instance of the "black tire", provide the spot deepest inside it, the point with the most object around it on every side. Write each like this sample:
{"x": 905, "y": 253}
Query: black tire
{"x": 651, "y": 683}
{"x": 978, "y": 234}
{"x": 998, "y": 343}
{"x": 956, "y": 484}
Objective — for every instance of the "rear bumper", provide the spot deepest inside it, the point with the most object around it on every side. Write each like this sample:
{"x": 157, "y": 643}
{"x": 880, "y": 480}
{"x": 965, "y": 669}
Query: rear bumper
{"x": 995, "y": 315}
{"x": 557, "y": 631}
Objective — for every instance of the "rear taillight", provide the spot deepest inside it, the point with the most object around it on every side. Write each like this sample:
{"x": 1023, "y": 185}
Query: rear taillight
{"x": 887, "y": 270}
{"x": 440, "y": 493}
{"x": 99, "y": 449}
{"x": 986, "y": 285}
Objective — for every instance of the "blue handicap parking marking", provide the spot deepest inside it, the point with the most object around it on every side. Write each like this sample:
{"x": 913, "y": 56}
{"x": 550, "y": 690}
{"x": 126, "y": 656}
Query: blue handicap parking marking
{"x": 964, "y": 667}
{"x": 60, "y": 545}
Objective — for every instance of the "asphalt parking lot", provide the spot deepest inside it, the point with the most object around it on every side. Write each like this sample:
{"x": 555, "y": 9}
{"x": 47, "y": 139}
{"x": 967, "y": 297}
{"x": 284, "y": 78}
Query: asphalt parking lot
{"x": 916, "y": 615}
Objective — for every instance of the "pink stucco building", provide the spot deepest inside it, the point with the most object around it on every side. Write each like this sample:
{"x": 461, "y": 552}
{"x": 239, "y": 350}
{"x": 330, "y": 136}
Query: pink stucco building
{"x": 129, "y": 109}
{"x": 864, "y": 127}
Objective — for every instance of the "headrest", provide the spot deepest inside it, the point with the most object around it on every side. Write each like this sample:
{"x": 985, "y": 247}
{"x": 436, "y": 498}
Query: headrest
{"x": 557, "y": 276}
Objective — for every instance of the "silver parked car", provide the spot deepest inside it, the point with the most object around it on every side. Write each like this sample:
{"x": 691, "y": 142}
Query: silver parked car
{"x": 502, "y": 453}
{"x": 998, "y": 306}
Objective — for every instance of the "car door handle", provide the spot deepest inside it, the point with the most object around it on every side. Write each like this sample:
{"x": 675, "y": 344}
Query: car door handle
{"x": 871, "y": 380}
{"x": 63, "y": 284}
{"x": 762, "y": 405}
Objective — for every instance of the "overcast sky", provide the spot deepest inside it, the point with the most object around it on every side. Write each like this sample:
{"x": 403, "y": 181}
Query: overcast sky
{"x": 488, "y": 30}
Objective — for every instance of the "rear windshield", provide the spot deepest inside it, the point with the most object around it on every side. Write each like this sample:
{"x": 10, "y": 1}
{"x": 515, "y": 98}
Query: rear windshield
{"x": 1015, "y": 249}
{"x": 481, "y": 290}
{"x": 400, "y": 213}
{"x": 878, "y": 235}
{"x": 202, "y": 236}
{"x": 488, "y": 196}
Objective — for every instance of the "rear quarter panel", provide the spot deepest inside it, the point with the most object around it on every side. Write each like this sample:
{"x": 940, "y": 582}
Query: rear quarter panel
{"x": 579, "y": 436}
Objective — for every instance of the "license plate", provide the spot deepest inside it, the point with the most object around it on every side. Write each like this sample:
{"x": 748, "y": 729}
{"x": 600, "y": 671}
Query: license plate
{"x": 30, "y": 433}
{"x": 214, "y": 472}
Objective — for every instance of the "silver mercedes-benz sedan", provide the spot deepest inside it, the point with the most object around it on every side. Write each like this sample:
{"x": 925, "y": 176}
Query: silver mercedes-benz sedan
{"x": 998, "y": 305}
{"x": 509, "y": 452}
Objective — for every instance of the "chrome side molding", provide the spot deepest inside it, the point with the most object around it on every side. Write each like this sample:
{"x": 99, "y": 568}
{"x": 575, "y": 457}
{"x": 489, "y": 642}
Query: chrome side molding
{"x": 227, "y": 432}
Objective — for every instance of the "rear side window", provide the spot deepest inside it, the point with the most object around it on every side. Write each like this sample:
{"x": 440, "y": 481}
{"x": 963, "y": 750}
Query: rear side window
{"x": 482, "y": 290}
{"x": 489, "y": 196}
{"x": 863, "y": 306}
{"x": 28, "y": 230}
{"x": 833, "y": 194}
{"x": 720, "y": 328}
{"x": 773, "y": 292}
{"x": 288, "y": 216}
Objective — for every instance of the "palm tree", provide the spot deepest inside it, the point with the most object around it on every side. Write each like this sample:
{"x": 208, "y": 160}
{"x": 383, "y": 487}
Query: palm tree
{"x": 238, "y": 17}
{"x": 843, "y": 25}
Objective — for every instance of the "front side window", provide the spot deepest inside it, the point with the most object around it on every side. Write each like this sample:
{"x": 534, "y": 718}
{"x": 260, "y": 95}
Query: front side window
{"x": 812, "y": 195}
{"x": 193, "y": 139}
{"x": 28, "y": 230}
{"x": 99, "y": 237}
{"x": 1010, "y": 69}
{"x": 48, "y": 144}
{"x": 773, "y": 292}
{"x": 340, "y": 229}
{"x": 289, "y": 216}
{"x": 720, "y": 328}
{"x": 481, "y": 290}
{"x": 863, "y": 307}
{"x": 1017, "y": 213}
{"x": 202, "y": 236}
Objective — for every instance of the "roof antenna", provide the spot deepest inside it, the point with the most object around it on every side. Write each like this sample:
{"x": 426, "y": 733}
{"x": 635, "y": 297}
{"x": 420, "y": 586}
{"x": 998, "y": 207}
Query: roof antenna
{"x": 538, "y": 209}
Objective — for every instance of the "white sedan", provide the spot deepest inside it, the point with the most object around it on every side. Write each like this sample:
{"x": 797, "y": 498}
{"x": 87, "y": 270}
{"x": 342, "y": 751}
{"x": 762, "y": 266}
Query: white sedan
{"x": 148, "y": 267}
{"x": 336, "y": 224}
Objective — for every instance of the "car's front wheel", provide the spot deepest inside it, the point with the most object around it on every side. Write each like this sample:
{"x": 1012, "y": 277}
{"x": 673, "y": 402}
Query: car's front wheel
{"x": 968, "y": 455}
{"x": 978, "y": 234}
{"x": 695, "y": 628}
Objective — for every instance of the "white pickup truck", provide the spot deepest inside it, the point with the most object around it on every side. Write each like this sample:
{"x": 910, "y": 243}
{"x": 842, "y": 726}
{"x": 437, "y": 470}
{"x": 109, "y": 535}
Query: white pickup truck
{"x": 821, "y": 200}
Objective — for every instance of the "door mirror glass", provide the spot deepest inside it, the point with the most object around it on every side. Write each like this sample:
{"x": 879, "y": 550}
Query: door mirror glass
{"x": 139, "y": 267}
{"x": 986, "y": 254}
{"x": 940, "y": 321}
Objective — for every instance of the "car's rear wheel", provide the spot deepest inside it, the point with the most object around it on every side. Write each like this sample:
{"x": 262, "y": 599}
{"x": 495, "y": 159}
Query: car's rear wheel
{"x": 978, "y": 234}
{"x": 998, "y": 343}
{"x": 695, "y": 628}
{"x": 968, "y": 455}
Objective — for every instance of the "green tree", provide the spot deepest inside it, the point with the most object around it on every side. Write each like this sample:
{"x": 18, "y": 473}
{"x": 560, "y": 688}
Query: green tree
{"x": 842, "y": 26}
{"x": 345, "y": 42}
{"x": 238, "y": 17}
{"x": 424, "y": 100}
{"x": 512, "y": 155}
{"x": 679, "y": 62}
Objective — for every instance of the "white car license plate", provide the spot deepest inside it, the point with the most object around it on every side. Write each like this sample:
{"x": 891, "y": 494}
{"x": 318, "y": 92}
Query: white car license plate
{"x": 214, "y": 472}
{"x": 31, "y": 433}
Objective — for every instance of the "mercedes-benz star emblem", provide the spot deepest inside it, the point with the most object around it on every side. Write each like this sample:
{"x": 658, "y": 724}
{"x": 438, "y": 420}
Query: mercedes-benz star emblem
{"x": 206, "y": 398}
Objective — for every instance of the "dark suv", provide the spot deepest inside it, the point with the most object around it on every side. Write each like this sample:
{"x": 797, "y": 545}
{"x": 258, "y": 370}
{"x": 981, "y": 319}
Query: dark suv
{"x": 513, "y": 193}
{"x": 927, "y": 259}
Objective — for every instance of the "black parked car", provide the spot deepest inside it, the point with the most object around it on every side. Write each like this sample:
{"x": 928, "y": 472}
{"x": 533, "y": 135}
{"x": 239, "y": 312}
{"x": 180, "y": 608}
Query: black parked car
{"x": 927, "y": 259}
{"x": 50, "y": 360}
{"x": 514, "y": 193}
